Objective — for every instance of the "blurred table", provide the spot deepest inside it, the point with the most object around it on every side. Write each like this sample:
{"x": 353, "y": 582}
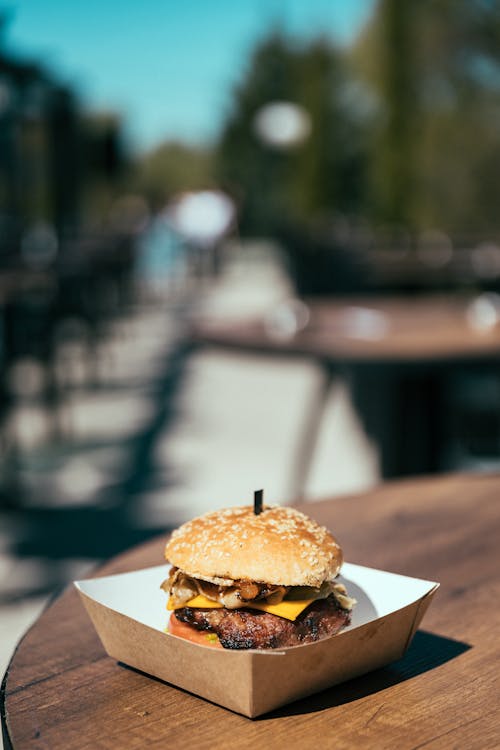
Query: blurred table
{"x": 423, "y": 329}
{"x": 396, "y": 353}
{"x": 62, "y": 691}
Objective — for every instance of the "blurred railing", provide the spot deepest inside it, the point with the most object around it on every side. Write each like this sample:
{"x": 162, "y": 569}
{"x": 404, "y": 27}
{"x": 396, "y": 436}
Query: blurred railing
{"x": 340, "y": 257}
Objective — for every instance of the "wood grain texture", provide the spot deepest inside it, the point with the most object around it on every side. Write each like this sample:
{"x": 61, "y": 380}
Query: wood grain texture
{"x": 62, "y": 691}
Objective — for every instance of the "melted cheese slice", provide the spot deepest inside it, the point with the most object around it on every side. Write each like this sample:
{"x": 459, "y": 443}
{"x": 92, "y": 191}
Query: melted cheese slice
{"x": 289, "y": 609}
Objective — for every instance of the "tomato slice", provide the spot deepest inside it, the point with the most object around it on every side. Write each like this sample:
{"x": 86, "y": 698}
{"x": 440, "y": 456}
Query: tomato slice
{"x": 183, "y": 630}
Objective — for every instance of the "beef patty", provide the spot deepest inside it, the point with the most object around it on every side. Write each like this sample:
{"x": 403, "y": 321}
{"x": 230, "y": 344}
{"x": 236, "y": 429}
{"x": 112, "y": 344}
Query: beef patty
{"x": 250, "y": 628}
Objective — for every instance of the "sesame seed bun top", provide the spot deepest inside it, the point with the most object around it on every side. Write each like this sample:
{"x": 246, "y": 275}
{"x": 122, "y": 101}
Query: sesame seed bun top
{"x": 279, "y": 546}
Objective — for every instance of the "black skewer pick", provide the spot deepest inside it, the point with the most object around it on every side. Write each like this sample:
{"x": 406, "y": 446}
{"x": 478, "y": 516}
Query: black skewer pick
{"x": 258, "y": 497}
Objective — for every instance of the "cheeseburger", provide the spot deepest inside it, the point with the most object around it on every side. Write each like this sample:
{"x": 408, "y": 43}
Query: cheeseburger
{"x": 240, "y": 580}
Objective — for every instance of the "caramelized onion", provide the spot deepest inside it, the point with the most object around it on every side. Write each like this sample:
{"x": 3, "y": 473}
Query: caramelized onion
{"x": 249, "y": 590}
{"x": 182, "y": 588}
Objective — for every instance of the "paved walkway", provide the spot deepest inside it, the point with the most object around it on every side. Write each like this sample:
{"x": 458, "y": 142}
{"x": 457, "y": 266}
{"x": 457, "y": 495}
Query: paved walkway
{"x": 164, "y": 436}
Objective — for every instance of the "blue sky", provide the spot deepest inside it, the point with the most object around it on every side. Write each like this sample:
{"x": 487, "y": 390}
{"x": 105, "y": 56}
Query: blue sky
{"x": 168, "y": 65}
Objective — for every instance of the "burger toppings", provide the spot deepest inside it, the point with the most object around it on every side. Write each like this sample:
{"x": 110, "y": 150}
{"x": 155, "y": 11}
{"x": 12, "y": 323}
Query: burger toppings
{"x": 248, "y": 580}
{"x": 185, "y": 590}
{"x": 234, "y": 594}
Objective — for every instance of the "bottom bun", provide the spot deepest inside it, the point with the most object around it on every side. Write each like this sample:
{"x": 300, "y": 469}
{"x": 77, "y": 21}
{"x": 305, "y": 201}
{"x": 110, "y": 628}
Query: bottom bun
{"x": 183, "y": 630}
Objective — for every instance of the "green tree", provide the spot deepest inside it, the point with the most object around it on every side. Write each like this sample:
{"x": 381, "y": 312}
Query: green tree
{"x": 433, "y": 69}
{"x": 171, "y": 168}
{"x": 319, "y": 176}
{"x": 394, "y": 166}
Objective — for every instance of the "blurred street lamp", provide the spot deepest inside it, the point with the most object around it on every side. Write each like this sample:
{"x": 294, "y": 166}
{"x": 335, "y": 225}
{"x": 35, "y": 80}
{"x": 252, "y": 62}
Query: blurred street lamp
{"x": 282, "y": 125}
{"x": 202, "y": 217}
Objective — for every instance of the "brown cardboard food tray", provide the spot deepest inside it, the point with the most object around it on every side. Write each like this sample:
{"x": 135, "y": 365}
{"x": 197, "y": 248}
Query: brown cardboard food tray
{"x": 128, "y": 612}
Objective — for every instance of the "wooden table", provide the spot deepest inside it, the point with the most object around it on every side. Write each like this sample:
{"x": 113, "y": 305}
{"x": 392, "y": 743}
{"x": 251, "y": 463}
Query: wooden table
{"x": 62, "y": 691}
{"x": 396, "y": 353}
{"x": 425, "y": 329}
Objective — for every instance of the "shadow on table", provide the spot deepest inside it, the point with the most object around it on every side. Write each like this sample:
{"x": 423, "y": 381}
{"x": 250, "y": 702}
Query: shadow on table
{"x": 426, "y": 652}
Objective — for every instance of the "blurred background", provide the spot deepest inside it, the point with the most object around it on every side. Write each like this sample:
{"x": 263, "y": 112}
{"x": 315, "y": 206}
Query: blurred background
{"x": 242, "y": 245}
